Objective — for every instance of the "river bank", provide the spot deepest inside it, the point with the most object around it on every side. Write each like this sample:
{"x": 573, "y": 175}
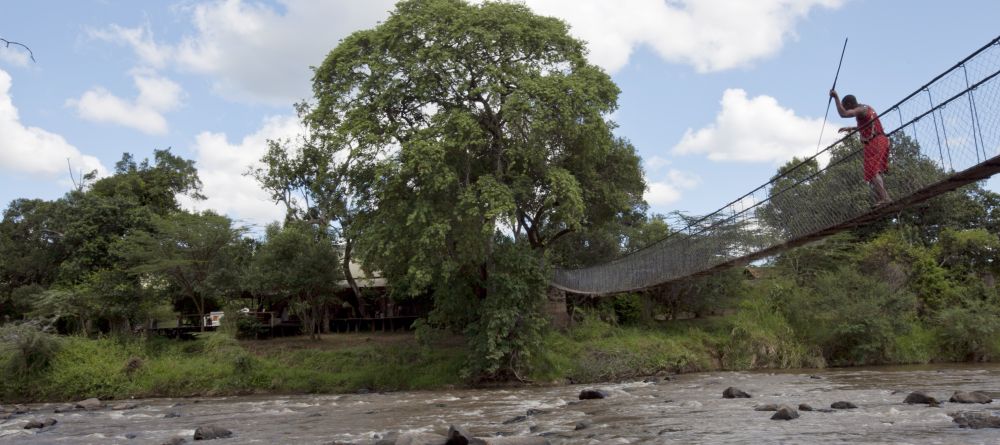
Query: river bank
{"x": 218, "y": 365}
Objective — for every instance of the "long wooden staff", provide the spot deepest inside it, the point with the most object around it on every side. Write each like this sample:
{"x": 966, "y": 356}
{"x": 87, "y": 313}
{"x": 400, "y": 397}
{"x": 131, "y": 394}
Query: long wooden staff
{"x": 830, "y": 99}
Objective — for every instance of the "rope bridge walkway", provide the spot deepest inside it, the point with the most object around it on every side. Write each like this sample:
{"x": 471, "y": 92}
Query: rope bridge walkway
{"x": 946, "y": 135}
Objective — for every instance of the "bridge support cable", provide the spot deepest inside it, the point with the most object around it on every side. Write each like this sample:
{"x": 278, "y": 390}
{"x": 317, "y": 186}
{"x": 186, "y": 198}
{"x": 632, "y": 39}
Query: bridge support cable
{"x": 936, "y": 148}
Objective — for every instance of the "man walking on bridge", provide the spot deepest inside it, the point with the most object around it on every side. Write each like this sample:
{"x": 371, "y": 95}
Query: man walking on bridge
{"x": 876, "y": 154}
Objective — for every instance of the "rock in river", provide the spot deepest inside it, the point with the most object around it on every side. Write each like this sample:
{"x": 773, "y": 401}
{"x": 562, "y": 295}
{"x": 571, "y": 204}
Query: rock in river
{"x": 459, "y": 436}
{"x": 785, "y": 412}
{"x": 36, "y": 424}
{"x": 970, "y": 397}
{"x": 210, "y": 432}
{"x": 734, "y": 393}
{"x": 592, "y": 394}
{"x": 976, "y": 419}
{"x": 843, "y": 405}
{"x": 918, "y": 397}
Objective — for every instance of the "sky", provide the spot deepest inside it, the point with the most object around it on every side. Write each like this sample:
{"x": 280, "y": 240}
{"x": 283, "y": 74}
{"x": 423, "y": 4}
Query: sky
{"x": 715, "y": 94}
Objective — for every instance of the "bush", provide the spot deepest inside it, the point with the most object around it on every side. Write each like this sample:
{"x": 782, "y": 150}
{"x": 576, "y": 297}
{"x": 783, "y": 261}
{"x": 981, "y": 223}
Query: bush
{"x": 248, "y": 327}
{"x": 627, "y": 308}
{"x": 854, "y": 319}
{"x": 28, "y": 350}
{"x": 969, "y": 333}
{"x": 761, "y": 337}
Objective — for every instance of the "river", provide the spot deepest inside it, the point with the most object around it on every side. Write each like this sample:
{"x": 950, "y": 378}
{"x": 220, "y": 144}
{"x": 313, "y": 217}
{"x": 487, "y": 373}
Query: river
{"x": 685, "y": 409}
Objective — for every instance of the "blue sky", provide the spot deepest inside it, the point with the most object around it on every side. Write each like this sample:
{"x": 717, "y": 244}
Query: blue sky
{"x": 716, "y": 94}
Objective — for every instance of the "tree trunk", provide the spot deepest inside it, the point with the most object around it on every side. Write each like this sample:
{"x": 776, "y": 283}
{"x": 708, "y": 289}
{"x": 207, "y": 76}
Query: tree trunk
{"x": 355, "y": 302}
{"x": 325, "y": 327}
{"x": 200, "y": 301}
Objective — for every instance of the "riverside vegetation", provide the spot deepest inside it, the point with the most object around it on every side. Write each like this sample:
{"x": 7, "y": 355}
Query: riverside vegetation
{"x": 464, "y": 185}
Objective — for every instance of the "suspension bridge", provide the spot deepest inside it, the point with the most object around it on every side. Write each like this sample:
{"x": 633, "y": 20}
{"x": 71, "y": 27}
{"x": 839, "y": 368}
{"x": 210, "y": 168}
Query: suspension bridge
{"x": 946, "y": 134}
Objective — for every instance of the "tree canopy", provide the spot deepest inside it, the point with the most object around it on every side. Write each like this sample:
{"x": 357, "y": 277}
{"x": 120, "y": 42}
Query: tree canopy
{"x": 471, "y": 127}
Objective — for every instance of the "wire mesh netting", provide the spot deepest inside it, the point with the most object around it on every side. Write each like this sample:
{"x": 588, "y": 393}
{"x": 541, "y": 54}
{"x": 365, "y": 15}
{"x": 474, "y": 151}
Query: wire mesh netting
{"x": 945, "y": 134}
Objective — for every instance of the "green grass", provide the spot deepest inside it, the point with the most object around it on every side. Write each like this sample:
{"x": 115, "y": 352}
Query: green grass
{"x": 590, "y": 351}
{"x": 218, "y": 365}
{"x": 594, "y": 351}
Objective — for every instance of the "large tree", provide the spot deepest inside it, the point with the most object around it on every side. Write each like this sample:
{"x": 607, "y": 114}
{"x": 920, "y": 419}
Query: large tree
{"x": 309, "y": 176}
{"x": 479, "y": 137}
{"x": 69, "y": 244}
{"x": 197, "y": 254}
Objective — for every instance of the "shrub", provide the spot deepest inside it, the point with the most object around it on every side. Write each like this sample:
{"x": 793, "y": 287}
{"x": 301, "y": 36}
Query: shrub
{"x": 761, "y": 337}
{"x": 851, "y": 317}
{"x": 27, "y": 348}
{"x": 969, "y": 333}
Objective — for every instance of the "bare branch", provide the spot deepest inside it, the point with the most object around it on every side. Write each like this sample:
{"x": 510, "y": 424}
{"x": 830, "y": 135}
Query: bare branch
{"x": 7, "y": 43}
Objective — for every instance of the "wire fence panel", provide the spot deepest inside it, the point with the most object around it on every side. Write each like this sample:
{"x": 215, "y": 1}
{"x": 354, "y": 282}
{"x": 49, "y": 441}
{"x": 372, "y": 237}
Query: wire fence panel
{"x": 945, "y": 134}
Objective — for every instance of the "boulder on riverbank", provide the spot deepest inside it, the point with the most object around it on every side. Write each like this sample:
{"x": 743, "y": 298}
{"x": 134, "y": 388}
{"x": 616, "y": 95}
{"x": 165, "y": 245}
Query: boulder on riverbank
{"x": 976, "y": 419}
{"x": 89, "y": 404}
{"x": 210, "y": 432}
{"x": 734, "y": 393}
{"x": 766, "y": 407}
{"x": 970, "y": 397}
{"x": 588, "y": 394}
{"x": 843, "y": 405}
{"x": 805, "y": 407}
{"x": 785, "y": 412}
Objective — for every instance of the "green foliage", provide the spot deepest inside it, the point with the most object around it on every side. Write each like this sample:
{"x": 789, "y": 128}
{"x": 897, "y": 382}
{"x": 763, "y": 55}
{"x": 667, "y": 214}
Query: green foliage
{"x": 296, "y": 263}
{"x": 472, "y": 127}
{"x": 219, "y": 365}
{"x": 761, "y": 337}
{"x": 620, "y": 309}
{"x": 852, "y": 318}
{"x": 26, "y": 349}
{"x": 196, "y": 255}
{"x": 970, "y": 332}
{"x": 595, "y": 351}
{"x": 247, "y": 326}
{"x": 508, "y": 329}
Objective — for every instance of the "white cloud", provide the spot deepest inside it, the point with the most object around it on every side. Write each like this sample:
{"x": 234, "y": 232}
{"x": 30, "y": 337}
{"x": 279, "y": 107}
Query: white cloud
{"x": 14, "y": 55}
{"x": 655, "y": 163}
{"x": 222, "y": 164}
{"x": 710, "y": 35}
{"x": 255, "y": 52}
{"x": 32, "y": 149}
{"x": 259, "y": 54}
{"x": 140, "y": 39}
{"x": 669, "y": 189}
{"x": 157, "y": 95}
{"x": 755, "y": 130}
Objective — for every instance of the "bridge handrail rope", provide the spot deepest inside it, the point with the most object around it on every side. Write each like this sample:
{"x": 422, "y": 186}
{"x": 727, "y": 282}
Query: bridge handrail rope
{"x": 718, "y": 218}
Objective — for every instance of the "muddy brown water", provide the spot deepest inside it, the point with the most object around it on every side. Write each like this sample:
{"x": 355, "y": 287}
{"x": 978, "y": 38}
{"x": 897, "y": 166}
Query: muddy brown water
{"x": 686, "y": 409}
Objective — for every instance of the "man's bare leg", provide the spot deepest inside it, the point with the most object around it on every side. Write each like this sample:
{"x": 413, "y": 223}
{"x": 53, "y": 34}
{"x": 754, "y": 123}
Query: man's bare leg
{"x": 880, "y": 193}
